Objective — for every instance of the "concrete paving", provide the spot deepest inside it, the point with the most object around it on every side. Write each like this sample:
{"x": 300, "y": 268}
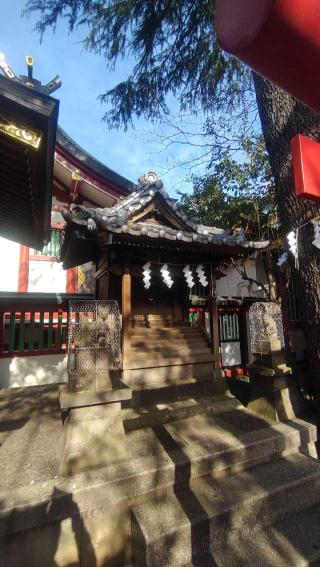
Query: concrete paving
{"x": 202, "y": 516}
{"x": 291, "y": 541}
{"x": 171, "y": 446}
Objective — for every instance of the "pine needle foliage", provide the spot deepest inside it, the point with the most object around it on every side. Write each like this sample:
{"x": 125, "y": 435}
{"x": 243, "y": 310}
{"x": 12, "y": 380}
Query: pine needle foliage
{"x": 172, "y": 44}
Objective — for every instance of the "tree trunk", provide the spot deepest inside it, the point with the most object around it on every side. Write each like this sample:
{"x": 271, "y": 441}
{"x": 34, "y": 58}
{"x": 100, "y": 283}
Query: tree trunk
{"x": 282, "y": 117}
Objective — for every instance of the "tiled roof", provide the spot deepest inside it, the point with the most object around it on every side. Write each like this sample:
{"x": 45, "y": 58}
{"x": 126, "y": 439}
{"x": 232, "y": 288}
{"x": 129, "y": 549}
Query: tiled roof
{"x": 118, "y": 219}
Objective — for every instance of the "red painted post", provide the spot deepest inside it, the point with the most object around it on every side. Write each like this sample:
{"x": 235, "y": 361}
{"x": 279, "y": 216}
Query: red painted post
{"x": 279, "y": 39}
{"x": 23, "y": 278}
{"x": 71, "y": 285}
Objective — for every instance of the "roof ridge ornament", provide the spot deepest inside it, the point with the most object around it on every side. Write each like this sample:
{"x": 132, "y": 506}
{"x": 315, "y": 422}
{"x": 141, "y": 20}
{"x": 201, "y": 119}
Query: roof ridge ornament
{"x": 148, "y": 178}
{"x": 29, "y": 81}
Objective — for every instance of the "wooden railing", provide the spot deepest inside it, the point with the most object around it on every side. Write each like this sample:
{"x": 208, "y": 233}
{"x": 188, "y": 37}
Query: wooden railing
{"x": 34, "y": 324}
{"x": 31, "y": 330}
{"x": 197, "y": 316}
{"x": 53, "y": 247}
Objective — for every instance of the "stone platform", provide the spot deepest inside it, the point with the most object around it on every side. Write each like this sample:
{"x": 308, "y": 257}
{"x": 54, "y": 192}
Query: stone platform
{"x": 182, "y": 454}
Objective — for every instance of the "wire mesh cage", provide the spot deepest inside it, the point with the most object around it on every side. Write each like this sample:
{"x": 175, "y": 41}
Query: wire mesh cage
{"x": 94, "y": 340}
{"x": 266, "y": 328}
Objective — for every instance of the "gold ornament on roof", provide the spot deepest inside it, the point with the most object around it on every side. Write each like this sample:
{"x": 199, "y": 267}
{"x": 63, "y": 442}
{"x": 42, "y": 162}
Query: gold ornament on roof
{"x": 23, "y": 134}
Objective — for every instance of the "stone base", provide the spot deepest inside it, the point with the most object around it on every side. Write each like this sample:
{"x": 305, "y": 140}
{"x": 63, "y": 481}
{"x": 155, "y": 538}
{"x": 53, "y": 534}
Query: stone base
{"x": 69, "y": 400}
{"x": 220, "y": 386}
{"x": 94, "y": 429}
{"x": 95, "y": 437}
{"x": 272, "y": 360}
{"x": 92, "y": 381}
{"x": 275, "y": 397}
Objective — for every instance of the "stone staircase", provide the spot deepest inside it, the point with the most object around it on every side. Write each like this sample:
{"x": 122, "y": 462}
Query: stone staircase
{"x": 205, "y": 482}
{"x": 168, "y": 356}
{"x": 225, "y": 488}
{"x": 242, "y": 493}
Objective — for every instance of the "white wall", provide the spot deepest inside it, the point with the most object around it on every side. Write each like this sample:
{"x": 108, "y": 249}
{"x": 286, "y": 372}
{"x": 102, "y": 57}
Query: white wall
{"x": 234, "y": 286}
{"x": 33, "y": 370}
{"x": 9, "y": 257}
{"x": 47, "y": 277}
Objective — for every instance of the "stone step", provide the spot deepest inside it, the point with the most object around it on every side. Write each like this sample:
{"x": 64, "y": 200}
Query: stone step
{"x": 146, "y": 319}
{"x": 200, "y": 515}
{"x": 164, "y": 376}
{"x": 157, "y": 351}
{"x": 155, "y": 327}
{"x": 293, "y": 540}
{"x": 155, "y": 392}
{"x": 160, "y": 458}
{"x": 160, "y": 360}
{"x": 161, "y": 343}
{"x": 143, "y": 316}
{"x": 163, "y": 337}
{"x": 166, "y": 331}
{"x": 160, "y": 413}
{"x": 159, "y": 317}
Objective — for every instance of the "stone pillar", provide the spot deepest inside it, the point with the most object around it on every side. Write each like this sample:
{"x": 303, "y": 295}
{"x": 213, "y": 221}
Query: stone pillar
{"x": 271, "y": 383}
{"x": 91, "y": 407}
{"x": 273, "y": 389}
{"x": 126, "y": 320}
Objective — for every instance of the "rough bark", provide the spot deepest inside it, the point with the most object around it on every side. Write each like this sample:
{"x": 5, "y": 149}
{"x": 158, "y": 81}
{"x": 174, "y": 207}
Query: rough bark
{"x": 282, "y": 117}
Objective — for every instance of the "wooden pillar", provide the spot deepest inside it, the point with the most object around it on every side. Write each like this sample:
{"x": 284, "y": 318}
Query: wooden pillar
{"x": 71, "y": 280}
{"x": 102, "y": 276}
{"x": 214, "y": 320}
{"x": 177, "y": 314}
{"x": 102, "y": 286}
{"x": 126, "y": 317}
{"x": 23, "y": 278}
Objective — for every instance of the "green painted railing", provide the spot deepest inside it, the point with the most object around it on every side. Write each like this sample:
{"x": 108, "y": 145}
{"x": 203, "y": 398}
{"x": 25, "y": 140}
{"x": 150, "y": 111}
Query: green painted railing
{"x": 53, "y": 247}
{"x": 196, "y": 316}
{"x": 30, "y": 330}
{"x": 229, "y": 327}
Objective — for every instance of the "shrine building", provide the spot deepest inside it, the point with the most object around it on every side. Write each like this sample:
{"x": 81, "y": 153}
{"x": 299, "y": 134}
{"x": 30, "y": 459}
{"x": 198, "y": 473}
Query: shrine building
{"x": 183, "y": 302}
{"x": 146, "y": 250}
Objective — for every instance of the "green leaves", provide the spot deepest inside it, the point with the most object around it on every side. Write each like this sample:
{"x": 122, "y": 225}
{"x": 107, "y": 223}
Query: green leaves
{"x": 172, "y": 43}
{"x": 174, "y": 51}
{"x": 236, "y": 192}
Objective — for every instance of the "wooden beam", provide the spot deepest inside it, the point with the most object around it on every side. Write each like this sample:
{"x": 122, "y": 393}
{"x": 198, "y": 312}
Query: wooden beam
{"x": 102, "y": 285}
{"x": 214, "y": 320}
{"x": 101, "y": 271}
{"x": 126, "y": 318}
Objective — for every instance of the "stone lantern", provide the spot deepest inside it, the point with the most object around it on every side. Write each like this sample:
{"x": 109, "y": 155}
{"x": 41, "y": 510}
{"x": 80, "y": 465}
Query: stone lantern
{"x": 274, "y": 393}
{"x": 92, "y": 401}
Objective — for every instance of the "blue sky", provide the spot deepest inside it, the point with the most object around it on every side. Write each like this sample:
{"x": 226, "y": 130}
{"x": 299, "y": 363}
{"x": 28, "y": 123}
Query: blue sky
{"x": 84, "y": 77}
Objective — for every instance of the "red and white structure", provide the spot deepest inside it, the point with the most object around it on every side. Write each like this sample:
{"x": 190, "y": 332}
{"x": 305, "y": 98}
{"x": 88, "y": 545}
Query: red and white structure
{"x": 33, "y": 283}
{"x": 78, "y": 178}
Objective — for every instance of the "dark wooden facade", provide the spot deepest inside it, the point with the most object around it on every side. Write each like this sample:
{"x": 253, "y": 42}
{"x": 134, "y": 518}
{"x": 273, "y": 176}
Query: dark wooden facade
{"x": 28, "y": 123}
